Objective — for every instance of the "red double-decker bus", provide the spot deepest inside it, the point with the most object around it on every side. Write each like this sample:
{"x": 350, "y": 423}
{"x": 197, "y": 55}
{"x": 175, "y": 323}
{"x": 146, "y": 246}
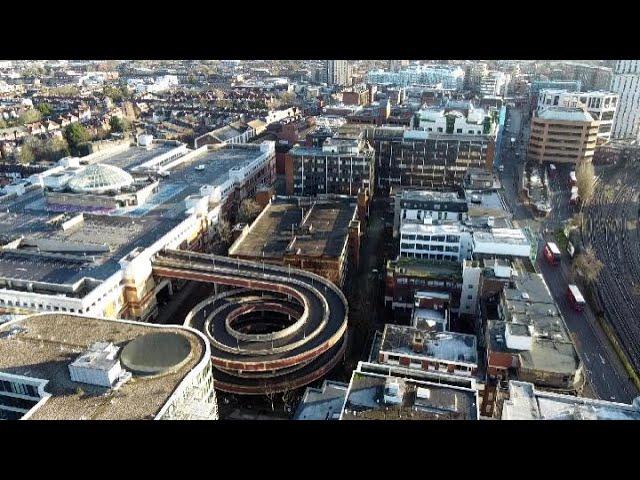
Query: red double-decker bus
{"x": 552, "y": 253}
{"x": 575, "y": 298}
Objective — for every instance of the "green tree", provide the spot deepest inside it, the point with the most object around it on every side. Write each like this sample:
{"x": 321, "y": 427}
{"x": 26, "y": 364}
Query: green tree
{"x": 56, "y": 148}
{"x": 64, "y": 91}
{"x": 26, "y": 154}
{"x": 118, "y": 124}
{"x": 75, "y": 135}
{"x": 29, "y": 116}
{"x": 116, "y": 93}
{"x": 45, "y": 109}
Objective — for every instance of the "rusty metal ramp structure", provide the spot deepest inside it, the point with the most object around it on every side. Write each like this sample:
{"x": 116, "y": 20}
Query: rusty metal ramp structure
{"x": 276, "y": 329}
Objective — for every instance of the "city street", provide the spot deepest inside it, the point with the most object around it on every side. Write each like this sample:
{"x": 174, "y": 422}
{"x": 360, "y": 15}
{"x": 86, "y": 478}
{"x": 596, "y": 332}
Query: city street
{"x": 606, "y": 376}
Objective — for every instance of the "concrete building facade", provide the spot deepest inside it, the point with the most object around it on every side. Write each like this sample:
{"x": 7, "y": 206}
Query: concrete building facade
{"x": 626, "y": 83}
{"x": 601, "y": 106}
{"x": 563, "y": 135}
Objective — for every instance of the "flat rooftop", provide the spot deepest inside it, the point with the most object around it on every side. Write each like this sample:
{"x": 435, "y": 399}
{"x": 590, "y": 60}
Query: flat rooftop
{"x": 416, "y": 267}
{"x": 431, "y": 195}
{"x": 448, "y": 346}
{"x": 547, "y": 354}
{"x": 416, "y": 400}
{"x": 513, "y": 236}
{"x": 91, "y": 249}
{"x": 44, "y": 346}
{"x": 280, "y": 229}
{"x": 132, "y": 156}
{"x": 527, "y": 403}
{"x": 217, "y": 163}
{"x": 432, "y": 229}
{"x": 323, "y": 403}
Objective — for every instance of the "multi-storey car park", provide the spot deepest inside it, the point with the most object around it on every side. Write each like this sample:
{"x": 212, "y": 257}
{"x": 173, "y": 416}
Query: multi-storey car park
{"x": 279, "y": 329}
{"x": 115, "y": 262}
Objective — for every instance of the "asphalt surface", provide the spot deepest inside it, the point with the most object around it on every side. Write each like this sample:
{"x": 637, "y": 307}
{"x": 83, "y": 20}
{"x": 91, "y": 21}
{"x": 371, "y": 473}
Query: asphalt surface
{"x": 605, "y": 374}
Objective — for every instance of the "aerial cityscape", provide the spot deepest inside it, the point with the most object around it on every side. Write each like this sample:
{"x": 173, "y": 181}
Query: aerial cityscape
{"x": 319, "y": 240}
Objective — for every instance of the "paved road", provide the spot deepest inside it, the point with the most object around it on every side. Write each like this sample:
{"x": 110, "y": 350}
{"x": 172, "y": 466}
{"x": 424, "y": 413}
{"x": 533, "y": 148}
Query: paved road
{"x": 606, "y": 375}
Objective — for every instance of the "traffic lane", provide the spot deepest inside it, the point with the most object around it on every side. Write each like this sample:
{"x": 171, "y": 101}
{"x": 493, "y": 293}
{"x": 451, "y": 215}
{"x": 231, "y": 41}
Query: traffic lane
{"x": 602, "y": 367}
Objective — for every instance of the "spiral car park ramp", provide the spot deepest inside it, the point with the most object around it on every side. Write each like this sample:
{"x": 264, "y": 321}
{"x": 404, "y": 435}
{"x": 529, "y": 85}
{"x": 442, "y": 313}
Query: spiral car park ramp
{"x": 281, "y": 328}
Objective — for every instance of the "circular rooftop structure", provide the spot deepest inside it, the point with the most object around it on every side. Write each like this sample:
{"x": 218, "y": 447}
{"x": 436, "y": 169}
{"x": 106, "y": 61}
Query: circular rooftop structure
{"x": 100, "y": 178}
{"x": 155, "y": 353}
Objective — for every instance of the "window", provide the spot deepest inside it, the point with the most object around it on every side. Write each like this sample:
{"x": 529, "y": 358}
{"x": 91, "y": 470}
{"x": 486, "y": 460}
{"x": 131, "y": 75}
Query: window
{"x": 439, "y": 129}
{"x": 459, "y": 130}
{"x": 470, "y": 286}
{"x": 469, "y": 297}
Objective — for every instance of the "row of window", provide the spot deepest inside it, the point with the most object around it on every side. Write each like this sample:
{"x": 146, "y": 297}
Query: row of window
{"x": 39, "y": 306}
{"x": 19, "y": 388}
{"x": 430, "y": 256}
{"x": 433, "y": 238}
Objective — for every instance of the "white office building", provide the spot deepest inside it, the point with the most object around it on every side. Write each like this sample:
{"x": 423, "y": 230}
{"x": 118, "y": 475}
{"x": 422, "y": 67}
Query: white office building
{"x": 505, "y": 242}
{"x": 458, "y": 118}
{"x": 447, "y": 76}
{"x": 626, "y": 83}
{"x": 494, "y": 84}
{"x": 600, "y": 105}
{"x": 435, "y": 242}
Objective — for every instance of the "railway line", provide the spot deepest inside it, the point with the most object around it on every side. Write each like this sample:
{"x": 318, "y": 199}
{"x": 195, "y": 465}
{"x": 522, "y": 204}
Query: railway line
{"x": 611, "y": 229}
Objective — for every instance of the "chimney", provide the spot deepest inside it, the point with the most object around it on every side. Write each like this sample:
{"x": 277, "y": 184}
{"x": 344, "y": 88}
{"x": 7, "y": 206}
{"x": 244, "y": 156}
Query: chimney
{"x": 418, "y": 342}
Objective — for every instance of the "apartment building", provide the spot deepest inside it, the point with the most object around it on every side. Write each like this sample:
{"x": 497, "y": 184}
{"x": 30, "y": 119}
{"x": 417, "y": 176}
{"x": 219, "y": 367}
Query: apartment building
{"x": 563, "y": 135}
{"x": 337, "y": 72}
{"x": 342, "y": 165}
{"x": 626, "y": 83}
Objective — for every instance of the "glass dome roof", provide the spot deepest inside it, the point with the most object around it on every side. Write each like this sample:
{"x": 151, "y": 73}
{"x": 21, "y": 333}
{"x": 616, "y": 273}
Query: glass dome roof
{"x": 100, "y": 178}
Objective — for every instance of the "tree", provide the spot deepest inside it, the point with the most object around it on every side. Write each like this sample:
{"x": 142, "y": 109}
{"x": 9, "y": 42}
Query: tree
{"x": 248, "y": 211}
{"x": 587, "y": 265}
{"x": 75, "y": 135}
{"x": 119, "y": 125}
{"x": 45, "y": 109}
{"x": 223, "y": 235}
{"x": 26, "y": 155}
{"x": 115, "y": 93}
{"x": 56, "y": 148}
{"x": 3, "y": 123}
{"x": 288, "y": 98}
{"x": 64, "y": 91}
{"x": 585, "y": 178}
{"x": 29, "y": 116}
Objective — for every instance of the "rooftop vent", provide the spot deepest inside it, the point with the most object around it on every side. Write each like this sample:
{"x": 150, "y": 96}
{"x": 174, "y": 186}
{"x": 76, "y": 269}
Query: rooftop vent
{"x": 417, "y": 343}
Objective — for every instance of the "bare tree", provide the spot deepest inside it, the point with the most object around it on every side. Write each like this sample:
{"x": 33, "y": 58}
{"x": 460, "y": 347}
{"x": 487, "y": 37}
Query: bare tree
{"x": 223, "y": 232}
{"x": 587, "y": 265}
{"x": 585, "y": 177}
{"x": 248, "y": 211}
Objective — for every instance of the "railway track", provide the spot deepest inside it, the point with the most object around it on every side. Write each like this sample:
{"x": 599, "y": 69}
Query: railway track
{"x": 612, "y": 231}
